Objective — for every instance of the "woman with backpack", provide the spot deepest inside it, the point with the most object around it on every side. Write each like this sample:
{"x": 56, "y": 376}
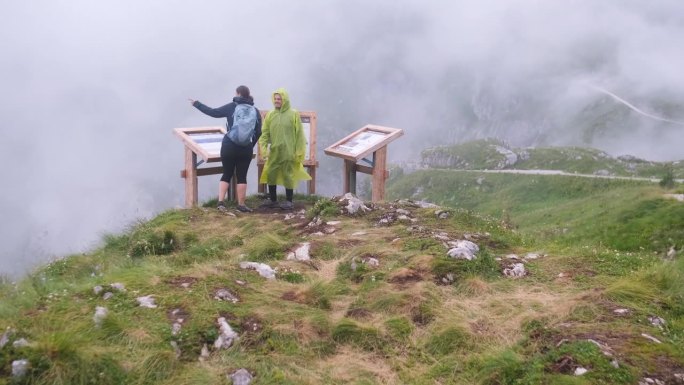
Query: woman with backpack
{"x": 236, "y": 151}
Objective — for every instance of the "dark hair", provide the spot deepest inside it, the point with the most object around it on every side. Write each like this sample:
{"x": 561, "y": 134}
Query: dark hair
{"x": 243, "y": 91}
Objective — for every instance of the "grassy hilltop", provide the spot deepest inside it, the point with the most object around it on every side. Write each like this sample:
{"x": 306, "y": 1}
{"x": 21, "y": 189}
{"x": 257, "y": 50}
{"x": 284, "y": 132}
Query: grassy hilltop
{"x": 380, "y": 301}
{"x": 495, "y": 154}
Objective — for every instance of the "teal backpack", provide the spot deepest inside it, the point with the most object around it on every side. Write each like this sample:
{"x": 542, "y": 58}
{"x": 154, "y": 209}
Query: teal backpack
{"x": 244, "y": 124}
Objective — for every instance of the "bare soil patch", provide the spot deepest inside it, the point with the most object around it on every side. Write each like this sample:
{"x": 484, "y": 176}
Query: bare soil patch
{"x": 359, "y": 313}
{"x": 182, "y": 282}
{"x": 405, "y": 276}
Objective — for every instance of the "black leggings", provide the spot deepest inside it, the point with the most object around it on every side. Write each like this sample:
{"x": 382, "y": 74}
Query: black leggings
{"x": 289, "y": 193}
{"x": 235, "y": 159}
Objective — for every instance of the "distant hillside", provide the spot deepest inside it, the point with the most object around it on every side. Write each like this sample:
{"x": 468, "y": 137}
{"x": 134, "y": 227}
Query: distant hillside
{"x": 620, "y": 214}
{"x": 397, "y": 293}
{"x": 492, "y": 154}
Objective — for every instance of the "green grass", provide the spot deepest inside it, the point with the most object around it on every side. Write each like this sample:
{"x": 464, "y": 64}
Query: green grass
{"x": 326, "y": 321}
{"x": 618, "y": 214}
{"x": 483, "y": 154}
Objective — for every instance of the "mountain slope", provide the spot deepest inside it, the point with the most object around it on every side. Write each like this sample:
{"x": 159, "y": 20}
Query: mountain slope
{"x": 380, "y": 302}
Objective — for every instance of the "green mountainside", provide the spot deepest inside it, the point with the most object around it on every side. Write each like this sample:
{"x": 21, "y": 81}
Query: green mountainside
{"x": 496, "y": 155}
{"x": 513, "y": 279}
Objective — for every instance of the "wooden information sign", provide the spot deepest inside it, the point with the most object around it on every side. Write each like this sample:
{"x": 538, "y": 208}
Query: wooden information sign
{"x": 310, "y": 163}
{"x": 353, "y": 148}
{"x": 204, "y": 142}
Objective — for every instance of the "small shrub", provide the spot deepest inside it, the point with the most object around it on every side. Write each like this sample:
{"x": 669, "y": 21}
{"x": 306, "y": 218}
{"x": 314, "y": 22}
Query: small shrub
{"x": 289, "y": 275}
{"x": 323, "y": 208}
{"x": 152, "y": 242}
{"x": 352, "y": 270}
{"x": 668, "y": 180}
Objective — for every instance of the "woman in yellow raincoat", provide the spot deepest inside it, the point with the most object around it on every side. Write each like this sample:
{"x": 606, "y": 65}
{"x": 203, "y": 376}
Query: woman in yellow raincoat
{"x": 283, "y": 145}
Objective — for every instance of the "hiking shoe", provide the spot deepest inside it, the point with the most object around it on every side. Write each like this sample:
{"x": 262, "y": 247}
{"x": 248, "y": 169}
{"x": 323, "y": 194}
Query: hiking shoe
{"x": 269, "y": 204}
{"x": 222, "y": 207}
{"x": 244, "y": 209}
{"x": 287, "y": 205}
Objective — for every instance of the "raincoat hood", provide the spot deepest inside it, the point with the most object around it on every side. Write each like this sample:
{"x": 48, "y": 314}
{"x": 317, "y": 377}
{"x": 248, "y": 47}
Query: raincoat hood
{"x": 286, "y": 99}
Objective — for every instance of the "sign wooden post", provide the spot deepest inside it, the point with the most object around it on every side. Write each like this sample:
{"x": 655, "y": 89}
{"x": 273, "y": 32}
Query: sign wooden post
{"x": 353, "y": 148}
{"x": 204, "y": 142}
{"x": 310, "y": 163}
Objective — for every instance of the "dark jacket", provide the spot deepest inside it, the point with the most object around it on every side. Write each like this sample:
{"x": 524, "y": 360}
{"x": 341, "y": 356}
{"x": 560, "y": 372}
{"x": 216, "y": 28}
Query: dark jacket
{"x": 227, "y": 112}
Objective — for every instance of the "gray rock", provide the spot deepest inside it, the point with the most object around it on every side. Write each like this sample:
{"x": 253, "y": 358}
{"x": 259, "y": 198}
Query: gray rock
{"x": 301, "y": 253}
{"x": 354, "y": 205}
{"x": 225, "y": 295}
{"x": 263, "y": 269}
{"x": 118, "y": 286}
{"x": 19, "y": 368}
{"x": 146, "y": 301}
{"x": 226, "y": 335}
{"x": 651, "y": 338}
{"x": 4, "y": 339}
{"x": 511, "y": 157}
{"x": 241, "y": 377}
{"x": 656, "y": 321}
{"x": 461, "y": 253}
{"x": 515, "y": 271}
{"x": 100, "y": 314}
{"x": 21, "y": 343}
{"x": 463, "y": 250}
{"x": 579, "y": 371}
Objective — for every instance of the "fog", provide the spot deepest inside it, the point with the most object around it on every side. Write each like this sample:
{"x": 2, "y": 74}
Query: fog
{"x": 93, "y": 89}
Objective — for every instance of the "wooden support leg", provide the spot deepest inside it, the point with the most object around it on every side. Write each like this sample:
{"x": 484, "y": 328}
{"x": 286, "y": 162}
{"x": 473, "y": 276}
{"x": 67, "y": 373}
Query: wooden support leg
{"x": 379, "y": 166}
{"x": 349, "y": 184}
{"x": 261, "y": 187}
{"x": 190, "y": 178}
{"x": 311, "y": 185}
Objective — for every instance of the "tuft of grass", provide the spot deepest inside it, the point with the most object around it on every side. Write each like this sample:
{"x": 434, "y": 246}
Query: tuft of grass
{"x": 483, "y": 266}
{"x": 152, "y": 242}
{"x": 425, "y": 245}
{"x": 318, "y": 295}
{"x": 353, "y": 270}
{"x": 324, "y": 208}
{"x": 61, "y": 358}
{"x": 289, "y": 275}
{"x": 156, "y": 366}
{"x": 399, "y": 328}
{"x": 473, "y": 286}
{"x": 324, "y": 251}
{"x": 348, "y": 332}
{"x": 265, "y": 247}
{"x": 391, "y": 302}
{"x": 450, "y": 340}
{"x": 423, "y": 313}
{"x": 505, "y": 368}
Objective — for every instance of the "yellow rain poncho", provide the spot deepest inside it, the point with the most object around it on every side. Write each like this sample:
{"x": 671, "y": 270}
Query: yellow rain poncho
{"x": 283, "y": 144}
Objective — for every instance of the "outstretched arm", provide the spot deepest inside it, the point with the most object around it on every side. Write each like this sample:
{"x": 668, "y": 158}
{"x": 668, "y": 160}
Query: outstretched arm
{"x": 221, "y": 112}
